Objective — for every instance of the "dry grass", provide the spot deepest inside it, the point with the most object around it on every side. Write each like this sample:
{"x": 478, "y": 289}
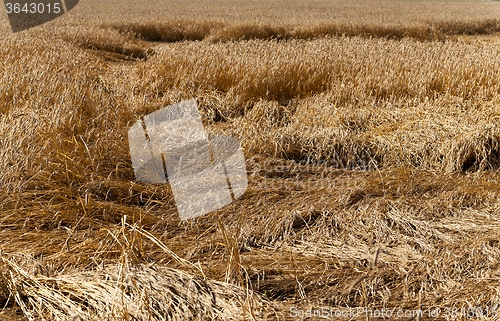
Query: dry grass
{"x": 372, "y": 148}
{"x": 184, "y": 29}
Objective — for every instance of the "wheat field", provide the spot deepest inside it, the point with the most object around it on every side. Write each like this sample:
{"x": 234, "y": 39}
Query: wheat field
{"x": 372, "y": 143}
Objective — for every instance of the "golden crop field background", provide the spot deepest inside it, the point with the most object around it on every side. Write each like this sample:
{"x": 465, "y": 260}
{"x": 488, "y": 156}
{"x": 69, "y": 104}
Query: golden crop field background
{"x": 372, "y": 143}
